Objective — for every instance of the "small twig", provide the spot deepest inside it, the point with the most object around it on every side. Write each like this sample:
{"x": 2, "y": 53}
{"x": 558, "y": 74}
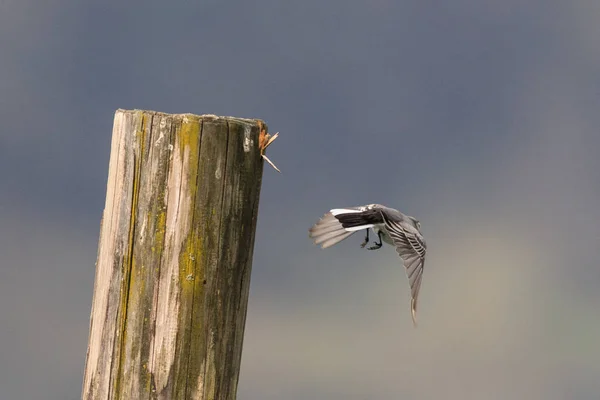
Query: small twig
{"x": 270, "y": 163}
{"x": 264, "y": 141}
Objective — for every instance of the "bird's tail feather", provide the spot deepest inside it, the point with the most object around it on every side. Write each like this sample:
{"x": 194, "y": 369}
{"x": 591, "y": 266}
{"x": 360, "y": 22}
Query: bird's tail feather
{"x": 328, "y": 231}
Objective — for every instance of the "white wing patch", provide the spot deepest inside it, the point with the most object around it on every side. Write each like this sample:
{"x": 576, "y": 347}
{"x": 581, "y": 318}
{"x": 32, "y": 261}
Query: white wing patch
{"x": 338, "y": 211}
{"x": 359, "y": 228}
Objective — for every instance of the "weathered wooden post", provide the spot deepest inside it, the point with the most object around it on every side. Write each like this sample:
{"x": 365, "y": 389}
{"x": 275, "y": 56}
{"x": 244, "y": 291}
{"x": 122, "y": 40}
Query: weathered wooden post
{"x": 174, "y": 257}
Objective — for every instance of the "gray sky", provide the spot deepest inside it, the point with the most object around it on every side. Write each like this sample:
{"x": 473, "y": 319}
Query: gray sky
{"x": 478, "y": 117}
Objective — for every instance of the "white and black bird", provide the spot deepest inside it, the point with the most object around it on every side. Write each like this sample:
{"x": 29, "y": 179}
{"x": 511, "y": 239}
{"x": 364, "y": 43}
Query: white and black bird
{"x": 390, "y": 225}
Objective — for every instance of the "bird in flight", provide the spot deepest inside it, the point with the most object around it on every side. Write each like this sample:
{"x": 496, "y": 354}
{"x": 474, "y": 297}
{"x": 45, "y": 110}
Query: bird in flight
{"x": 390, "y": 226}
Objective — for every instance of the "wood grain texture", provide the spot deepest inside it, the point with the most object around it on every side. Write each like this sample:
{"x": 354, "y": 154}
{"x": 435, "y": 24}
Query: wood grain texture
{"x": 174, "y": 257}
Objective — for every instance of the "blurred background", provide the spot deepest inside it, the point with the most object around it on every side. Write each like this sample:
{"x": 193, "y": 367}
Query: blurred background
{"x": 480, "y": 118}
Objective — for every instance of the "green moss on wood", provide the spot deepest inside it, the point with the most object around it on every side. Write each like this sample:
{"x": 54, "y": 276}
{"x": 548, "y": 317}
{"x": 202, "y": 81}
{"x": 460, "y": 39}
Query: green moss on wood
{"x": 160, "y": 223}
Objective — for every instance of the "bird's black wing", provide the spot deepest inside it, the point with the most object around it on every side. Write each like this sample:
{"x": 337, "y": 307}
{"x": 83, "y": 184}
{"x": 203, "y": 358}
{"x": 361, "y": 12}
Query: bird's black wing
{"x": 361, "y": 217}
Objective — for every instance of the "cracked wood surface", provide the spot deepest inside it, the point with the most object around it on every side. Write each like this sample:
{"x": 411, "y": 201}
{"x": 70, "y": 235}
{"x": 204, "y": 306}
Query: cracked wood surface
{"x": 174, "y": 257}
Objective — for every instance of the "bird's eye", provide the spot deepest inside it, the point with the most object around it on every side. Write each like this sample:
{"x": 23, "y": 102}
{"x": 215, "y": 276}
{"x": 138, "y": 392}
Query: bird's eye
{"x": 418, "y": 225}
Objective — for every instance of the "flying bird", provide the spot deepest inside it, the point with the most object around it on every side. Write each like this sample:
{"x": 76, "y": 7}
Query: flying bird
{"x": 390, "y": 225}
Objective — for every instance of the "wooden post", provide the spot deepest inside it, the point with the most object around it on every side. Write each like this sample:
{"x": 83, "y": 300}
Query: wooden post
{"x": 174, "y": 257}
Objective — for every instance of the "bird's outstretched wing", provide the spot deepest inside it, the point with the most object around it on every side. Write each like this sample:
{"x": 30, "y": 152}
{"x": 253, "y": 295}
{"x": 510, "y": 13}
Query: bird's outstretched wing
{"x": 411, "y": 247}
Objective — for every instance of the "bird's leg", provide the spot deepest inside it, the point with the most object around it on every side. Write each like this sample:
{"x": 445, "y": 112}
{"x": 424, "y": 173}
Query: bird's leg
{"x": 363, "y": 244}
{"x": 377, "y": 245}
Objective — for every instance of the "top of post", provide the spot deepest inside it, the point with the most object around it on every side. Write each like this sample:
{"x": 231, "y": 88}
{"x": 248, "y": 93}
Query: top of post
{"x": 193, "y": 116}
